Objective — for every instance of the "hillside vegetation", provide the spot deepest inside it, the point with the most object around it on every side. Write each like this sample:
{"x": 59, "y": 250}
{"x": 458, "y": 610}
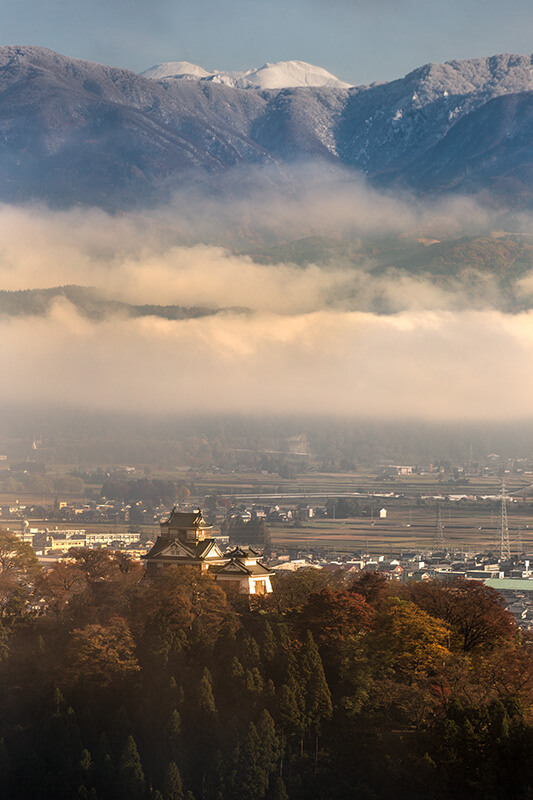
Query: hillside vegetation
{"x": 114, "y": 686}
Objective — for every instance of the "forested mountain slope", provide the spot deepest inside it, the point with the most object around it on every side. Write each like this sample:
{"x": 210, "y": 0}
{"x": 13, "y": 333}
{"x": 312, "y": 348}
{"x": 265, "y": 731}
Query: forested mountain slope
{"x": 77, "y": 132}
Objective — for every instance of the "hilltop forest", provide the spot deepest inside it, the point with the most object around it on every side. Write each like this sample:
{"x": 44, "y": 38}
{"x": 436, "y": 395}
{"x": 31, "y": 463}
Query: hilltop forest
{"x": 115, "y": 687}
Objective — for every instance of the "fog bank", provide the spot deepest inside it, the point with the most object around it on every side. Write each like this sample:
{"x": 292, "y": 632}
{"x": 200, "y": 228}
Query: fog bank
{"x": 433, "y": 365}
{"x": 293, "y": 339}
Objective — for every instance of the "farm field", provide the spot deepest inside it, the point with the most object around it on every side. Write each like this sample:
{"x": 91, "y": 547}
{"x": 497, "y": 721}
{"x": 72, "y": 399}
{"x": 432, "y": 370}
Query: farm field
{"x": 411, "y": 516}
{"x": 405, "y": 529}
{"x": 323, "y": 484}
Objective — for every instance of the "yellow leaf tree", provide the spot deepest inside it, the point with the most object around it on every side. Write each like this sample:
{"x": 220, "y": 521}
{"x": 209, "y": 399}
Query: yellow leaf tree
{"x": 103, "y": 654}
{"x": 410, "y": 641}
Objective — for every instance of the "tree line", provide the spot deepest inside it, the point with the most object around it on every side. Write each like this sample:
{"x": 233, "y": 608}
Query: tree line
{"x": 113, "y": 686}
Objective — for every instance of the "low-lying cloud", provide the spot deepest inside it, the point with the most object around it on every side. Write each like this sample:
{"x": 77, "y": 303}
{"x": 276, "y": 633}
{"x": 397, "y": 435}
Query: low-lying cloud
{"x": 328, "y": 338}
{"x": 433, "y": 365}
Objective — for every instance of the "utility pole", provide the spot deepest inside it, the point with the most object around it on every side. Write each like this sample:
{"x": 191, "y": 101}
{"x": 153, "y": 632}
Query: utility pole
{"x": 505, "y": 547}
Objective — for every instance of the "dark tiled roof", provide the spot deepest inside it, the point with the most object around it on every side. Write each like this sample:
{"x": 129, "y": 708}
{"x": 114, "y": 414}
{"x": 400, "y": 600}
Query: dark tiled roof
{"x": 193, "y": 549}
{"x": 244, "y": 569}
{"x": 160, "y": 544}
{"x": 259, "y": 569}
{"x": 243, "y": 552}
{"x": 186, "y": 519}
{"x": 201, "y": 548}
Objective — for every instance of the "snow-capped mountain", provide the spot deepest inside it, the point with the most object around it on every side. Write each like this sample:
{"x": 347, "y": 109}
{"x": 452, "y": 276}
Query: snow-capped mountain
{"x": 176, "y": 69}
{"x": 280, "y": 75}
{"x": 73, "y": 131}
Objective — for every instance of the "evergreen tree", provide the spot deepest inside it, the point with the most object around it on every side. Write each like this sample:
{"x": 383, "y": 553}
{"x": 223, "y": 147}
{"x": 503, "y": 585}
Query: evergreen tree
{"x": 248, "y": 650}
{"x": 173, "y": 736}
{"x": 226, "y": 644}
{"x": 291, "y": 723}
{"x": 278, "y": 790}
{"x": 104, "y": 770}
{"x": 251, "y": 776}
{"x": 216, "y": 779}
{"x": 172, "y": 785}
{"x": 290, "y": 717}
{"x": 206, "y": 698}
{"x": 131, "y": 782}
{"x": 203, "y": 727}
{"x": 85, "y": 766}
{"x": 234, "y": 684}
{"x": 175, "y": 692}
{"x": 270, "y": 749}
{"x": 268, "y": 644}
{"x": 121, "y": 729}
{"x": 318, "y": 705}
{"x": 60, "y": 745}
{"x": 237, "y": 672}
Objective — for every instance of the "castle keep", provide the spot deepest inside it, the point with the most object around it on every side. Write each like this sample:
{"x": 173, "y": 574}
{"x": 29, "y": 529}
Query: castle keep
{"x": 184, "y": 540}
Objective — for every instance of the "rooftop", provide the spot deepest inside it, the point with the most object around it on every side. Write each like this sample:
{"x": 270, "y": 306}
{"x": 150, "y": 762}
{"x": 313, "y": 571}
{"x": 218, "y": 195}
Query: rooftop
{"x": 186, "y": 519}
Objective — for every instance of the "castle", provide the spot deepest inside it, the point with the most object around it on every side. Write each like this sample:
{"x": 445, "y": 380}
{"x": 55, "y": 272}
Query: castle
{"x": 184, "y": 540}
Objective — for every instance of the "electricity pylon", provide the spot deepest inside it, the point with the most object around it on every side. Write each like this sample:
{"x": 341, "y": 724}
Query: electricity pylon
{"x": 505, "y": 547}
{"x": 439, "y": 533}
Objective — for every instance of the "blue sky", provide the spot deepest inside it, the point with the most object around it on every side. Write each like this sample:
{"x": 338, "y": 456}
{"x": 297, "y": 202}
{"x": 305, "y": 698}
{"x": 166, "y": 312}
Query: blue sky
{"x": 358, "y": 40}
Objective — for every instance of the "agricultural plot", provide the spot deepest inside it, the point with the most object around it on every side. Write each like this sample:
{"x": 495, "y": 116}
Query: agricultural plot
{"x": 408, "y": 528}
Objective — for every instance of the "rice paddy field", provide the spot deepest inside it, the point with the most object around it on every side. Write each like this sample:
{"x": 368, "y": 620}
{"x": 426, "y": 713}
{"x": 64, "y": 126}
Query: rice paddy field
{"x": 469, "y": 524}
{"x": 406, "y": 530}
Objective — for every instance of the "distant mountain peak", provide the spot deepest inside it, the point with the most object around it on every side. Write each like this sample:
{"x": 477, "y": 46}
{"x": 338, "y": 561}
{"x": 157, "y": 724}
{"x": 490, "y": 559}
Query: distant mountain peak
{"x": 176, "y": 69}
{"x": 277, "y": 75}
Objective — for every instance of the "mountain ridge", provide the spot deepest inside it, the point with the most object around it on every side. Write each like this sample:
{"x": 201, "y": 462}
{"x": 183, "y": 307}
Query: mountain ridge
{"x": 78, "y": 132}
{"x": 94, "y": 305}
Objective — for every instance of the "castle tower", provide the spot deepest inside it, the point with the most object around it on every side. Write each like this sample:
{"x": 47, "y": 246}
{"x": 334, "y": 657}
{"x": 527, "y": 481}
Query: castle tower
{"x": 183, "y": 540}
{"x": 185, "y": 527}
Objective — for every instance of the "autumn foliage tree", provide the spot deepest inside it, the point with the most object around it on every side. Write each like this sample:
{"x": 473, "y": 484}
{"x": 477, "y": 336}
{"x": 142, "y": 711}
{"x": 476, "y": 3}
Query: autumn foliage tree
{"x": 58, "y": 586}
{"x": 292, "y": 590}
{"x": 475, "y": 612}
{"x": 332, "y": 616}
{"x": 181, "y": 600}
{"x": 409, "y": 640}
{"x": 103, "y": 654}
{"x": 19, "y": 569}
{"x": 90, "y": 585}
